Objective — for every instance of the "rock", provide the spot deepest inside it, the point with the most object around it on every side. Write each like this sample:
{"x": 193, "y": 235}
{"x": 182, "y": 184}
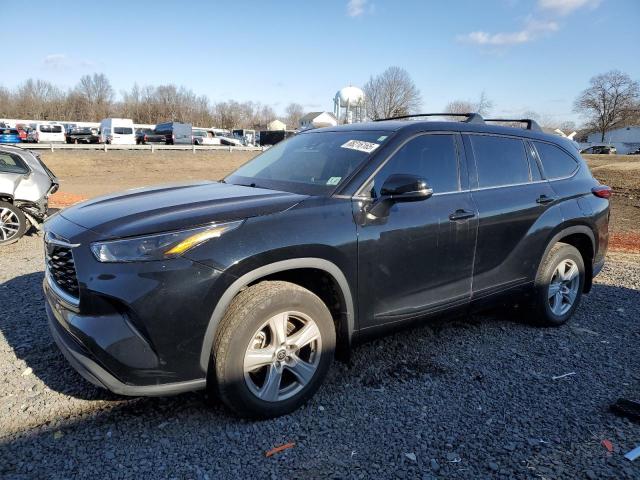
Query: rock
{"x": 494, "y": 466}
{"x": 435, "y": 466}
{"x": 411, "y": 456}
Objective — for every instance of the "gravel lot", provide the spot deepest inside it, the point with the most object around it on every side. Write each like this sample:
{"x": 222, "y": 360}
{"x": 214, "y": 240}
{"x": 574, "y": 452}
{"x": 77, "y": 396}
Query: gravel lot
{"x": 467, "y": 398}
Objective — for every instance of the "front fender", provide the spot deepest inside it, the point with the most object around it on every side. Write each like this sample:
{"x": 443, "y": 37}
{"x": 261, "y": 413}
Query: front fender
{"x": 263, "y": 271}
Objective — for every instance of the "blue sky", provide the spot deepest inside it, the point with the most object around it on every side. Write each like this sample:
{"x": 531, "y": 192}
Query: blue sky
{"x": 526, "y": 55}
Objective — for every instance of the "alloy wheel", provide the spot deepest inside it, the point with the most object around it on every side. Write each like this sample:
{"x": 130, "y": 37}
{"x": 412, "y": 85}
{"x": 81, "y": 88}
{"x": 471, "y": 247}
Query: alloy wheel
{"x": 563, "y": 288}
{"x": 9, "y": 224}
{"x": 282, "y": 357}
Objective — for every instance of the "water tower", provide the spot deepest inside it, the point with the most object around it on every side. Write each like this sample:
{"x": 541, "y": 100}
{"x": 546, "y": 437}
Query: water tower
{"x": 348, "y": 105}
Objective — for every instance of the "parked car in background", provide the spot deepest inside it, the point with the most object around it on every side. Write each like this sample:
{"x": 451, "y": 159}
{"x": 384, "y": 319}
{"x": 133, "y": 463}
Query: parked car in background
{"x": 246, "y": 137}
{"x": 202, "y": 136}
{"x": 9, "y": 135}
{"x": 69, "y": 126}
{"x": 22, "y": 131}
{"x": 145, "y": 136}
{"x": 175, "y": 133}
{"x": 635, "y": 152}
{"x": 83, "y": 135}
{"x": 117, "y": 131}
{"x": 600, "y": 150}
{"x": 47, "y": 133}
{"x": 25, "y": 186}
{"x": 271, "y": 137}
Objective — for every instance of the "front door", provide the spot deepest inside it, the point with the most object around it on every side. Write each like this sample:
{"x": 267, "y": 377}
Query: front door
{"x": 418, "y": 258}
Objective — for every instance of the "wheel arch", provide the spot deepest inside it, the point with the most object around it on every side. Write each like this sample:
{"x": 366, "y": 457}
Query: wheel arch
{"x": 293, "y": 270}
{"x": 582, "y": 238}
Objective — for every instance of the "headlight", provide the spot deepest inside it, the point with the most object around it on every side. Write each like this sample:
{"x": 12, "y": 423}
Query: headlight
{"x": 160, "y": 246}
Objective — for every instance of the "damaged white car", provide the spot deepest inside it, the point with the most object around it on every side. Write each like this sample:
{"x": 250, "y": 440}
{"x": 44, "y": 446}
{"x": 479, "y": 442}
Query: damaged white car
{"x": 25, "y": 186}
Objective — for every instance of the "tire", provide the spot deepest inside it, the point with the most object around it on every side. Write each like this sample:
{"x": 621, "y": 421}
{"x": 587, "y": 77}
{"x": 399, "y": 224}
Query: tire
{"x": 249, "y": 321}
{"x": 557, "y": 272}
{"x": 13, "y": 223}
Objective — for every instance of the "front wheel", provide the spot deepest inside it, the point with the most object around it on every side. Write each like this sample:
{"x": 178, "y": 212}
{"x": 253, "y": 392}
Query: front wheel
{"x": 558, "y": 286}
{"x": 274, "y": 347}
{"x": 13, "y": 223}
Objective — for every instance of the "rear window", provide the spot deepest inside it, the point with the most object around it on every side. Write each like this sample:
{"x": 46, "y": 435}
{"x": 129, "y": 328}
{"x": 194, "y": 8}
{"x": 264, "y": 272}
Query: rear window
{"x": 12, "y": 163}
{"x": 500, "y": 160}
{"x": 51, "y": 128}
{"x": 556, "y": 162}
{"x": 122, "y": 130}
{"x": 9, "y": 131}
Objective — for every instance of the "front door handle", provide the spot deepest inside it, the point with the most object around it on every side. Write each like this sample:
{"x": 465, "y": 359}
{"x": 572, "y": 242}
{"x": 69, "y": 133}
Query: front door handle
{"x": 543, "y": 199}
{"x": 461, "y": 214}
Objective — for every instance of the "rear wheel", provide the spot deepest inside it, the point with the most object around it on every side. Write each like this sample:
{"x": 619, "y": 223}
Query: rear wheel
{"x": 13, "y": 223}
{"x": 558, "y": 286}
{"x": 273, "y": 349}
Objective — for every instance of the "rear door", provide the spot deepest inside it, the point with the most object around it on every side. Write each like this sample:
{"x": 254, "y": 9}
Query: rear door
{"x": 515, "y": 207}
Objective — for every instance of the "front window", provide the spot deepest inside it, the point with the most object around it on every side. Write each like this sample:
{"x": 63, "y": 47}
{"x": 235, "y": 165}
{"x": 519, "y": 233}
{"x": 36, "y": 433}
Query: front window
{"x": 313, "y": 163}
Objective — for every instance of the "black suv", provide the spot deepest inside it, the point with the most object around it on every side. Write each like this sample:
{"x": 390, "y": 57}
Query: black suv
{"x": 252, "y": 285}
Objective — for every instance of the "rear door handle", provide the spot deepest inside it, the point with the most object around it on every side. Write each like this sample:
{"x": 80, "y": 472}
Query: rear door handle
{"x": 461, "y": 214}
{"x": 543, "y": 199}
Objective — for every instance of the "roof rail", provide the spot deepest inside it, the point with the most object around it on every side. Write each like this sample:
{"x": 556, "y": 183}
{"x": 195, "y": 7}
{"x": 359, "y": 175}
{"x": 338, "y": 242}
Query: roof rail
{"x": 531, "y": 124}
{"x": 469, "y": 117}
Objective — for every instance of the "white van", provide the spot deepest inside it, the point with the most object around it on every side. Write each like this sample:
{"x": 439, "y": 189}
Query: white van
{"x": 117, "y": 131}
{"x": 47, "y": 133}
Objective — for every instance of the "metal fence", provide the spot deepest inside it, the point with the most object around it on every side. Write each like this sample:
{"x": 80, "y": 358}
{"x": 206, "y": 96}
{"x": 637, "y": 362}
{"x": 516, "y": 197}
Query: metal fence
{"x": 105, "y": 147}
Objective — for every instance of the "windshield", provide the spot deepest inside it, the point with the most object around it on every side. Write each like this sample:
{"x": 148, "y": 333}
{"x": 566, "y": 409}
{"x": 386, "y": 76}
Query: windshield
{"x": 313, "y": 163}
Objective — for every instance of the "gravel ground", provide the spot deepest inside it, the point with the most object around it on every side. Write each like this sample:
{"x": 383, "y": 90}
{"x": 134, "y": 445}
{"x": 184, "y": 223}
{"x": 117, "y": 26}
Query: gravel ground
{"x": 468, "y": 398}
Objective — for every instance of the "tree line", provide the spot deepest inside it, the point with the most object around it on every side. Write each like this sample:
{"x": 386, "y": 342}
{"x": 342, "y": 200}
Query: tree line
{"x": 612, "y": 100}
{"x": 93, "y": 99}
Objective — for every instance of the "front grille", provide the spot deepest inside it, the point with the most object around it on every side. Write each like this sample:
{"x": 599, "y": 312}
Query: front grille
{"x": 62, "y": 269}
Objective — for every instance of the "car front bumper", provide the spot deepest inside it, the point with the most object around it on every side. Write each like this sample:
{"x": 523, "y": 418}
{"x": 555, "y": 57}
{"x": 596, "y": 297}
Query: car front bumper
{"x": 72, "y": 331}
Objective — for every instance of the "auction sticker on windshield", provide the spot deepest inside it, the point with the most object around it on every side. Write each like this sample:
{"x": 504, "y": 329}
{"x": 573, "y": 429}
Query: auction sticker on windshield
{"x": 366, "y": 147}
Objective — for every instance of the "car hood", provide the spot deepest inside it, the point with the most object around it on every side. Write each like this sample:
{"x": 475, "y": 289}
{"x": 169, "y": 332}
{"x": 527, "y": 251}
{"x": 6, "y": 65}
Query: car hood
{"x": 174, "y": 207}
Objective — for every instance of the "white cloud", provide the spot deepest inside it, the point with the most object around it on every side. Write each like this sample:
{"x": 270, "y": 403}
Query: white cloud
{"x": 56, "y": 60}
{"x": 532, "y": 30}
{"x": 61, "y": 61}
{"x": 565, "y": 7}
{"x": 356, "y": 8}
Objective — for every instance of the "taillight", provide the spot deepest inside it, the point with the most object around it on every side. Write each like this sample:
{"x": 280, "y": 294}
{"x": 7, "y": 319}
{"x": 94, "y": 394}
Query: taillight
{"x": 144, "y": 139}
{"x": 602, "y": 191}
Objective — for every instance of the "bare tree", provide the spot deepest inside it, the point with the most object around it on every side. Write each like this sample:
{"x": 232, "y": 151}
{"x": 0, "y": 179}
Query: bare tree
{"x": 293, "y": 113}
{"x": 392, "y": 93}
{"x": 482, "y": 106}
{"x": 609, "y": 102}
{"x": 98, "y": 94}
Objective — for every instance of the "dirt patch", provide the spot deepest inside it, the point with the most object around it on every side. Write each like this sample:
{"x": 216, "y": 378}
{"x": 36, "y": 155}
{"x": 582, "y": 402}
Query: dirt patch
{"x": 90, "y": 173}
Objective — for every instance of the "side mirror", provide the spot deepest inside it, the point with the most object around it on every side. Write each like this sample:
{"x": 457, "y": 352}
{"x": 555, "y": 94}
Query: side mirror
{"x": 401, "y": 187}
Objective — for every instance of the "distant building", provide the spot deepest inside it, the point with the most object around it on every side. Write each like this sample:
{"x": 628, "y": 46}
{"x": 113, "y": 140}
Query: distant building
{"x": 625, "y": 139}
{"x": 276, "y": 125}
{"x": 318, "y": 120}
